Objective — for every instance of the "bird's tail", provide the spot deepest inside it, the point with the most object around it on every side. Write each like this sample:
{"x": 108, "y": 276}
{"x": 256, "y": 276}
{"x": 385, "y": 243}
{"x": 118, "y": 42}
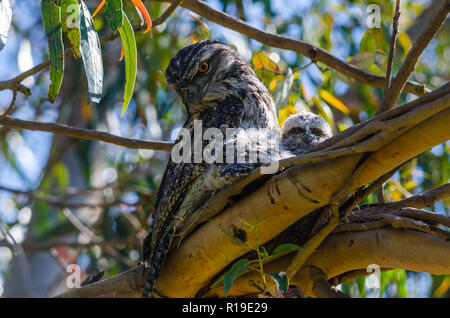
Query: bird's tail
{"x": 158, "y": 257}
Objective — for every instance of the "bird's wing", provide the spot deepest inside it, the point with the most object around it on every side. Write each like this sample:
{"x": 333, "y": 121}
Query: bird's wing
{"x": 174, "y": 185}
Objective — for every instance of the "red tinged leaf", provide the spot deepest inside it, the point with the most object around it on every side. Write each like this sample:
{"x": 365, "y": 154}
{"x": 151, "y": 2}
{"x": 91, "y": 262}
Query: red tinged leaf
{"x": 121, "y": 54}
{"x": 140, "y": 6}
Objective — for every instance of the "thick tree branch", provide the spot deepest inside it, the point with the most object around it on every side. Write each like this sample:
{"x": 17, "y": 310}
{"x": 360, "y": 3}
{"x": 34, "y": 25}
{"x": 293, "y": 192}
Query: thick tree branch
{"x": 365, "y": 137}
{"x": 339, "y": 254}
{"x": 283, "y": 200}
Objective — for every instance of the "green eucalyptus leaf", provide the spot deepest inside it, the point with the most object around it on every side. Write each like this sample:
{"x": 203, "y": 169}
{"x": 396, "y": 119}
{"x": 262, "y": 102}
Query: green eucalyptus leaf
{"x": 285, "y": 248}
{"x": 130, "y": 53}
{"x": 5, "y": 21}
{"x": 235, "y": 271}
{"x": 91, "y": 55}
{"x": 51, "y": 16}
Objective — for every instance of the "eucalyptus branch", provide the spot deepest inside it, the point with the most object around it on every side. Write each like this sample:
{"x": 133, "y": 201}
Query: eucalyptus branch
{"x": 38, "y": 247}
{"x": 374, "y": 222}
{"x": 57, "y": 202}
{"x": 86, "y": 134}
{"x": 93, "y": 238}
{"x": 11, "y": 105}
{"x": 169, "y": 11}
{"x": 392, "y": 46}
{"x": 423, "y": 200}
{"x": 411, "y": 59}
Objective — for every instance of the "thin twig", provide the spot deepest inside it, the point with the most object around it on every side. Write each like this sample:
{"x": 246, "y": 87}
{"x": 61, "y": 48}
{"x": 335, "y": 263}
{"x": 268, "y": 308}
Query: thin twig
{"x": 86, "y": 134}
{"x": 57, "y": 202}
{"x": 30, "y": 247}
{"x": 166, "y": 14}
{"x": 92, "y": 237}
{"x": 392, "y": 47}
{"x": 381, "y": 220}
{"x": 11, "y": 106}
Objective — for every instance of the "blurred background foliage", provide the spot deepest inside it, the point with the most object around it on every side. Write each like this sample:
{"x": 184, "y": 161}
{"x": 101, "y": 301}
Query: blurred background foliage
{"x": 49, "y": 182}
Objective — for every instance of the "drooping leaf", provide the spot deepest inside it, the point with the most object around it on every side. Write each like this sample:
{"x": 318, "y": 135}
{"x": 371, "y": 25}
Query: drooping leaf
{"x": 5, "y": 21}
{"x": 143, "y": 11}
{"x": 333, "y": 101}
{"x": 285, "y": 248}
{"x": 51, "y": 16}
{"x": 70, "y": 17}
{"x": 114, "y": 14}
{"x": 235, "y": 271}
{"x": 91, "y": 54}
{"x": 281, "y": 279}
{"x": 130, "y": 52}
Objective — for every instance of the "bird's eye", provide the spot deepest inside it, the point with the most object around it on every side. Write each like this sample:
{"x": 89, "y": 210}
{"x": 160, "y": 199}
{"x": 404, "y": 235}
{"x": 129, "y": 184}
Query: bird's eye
{"x": 204, "y": 67}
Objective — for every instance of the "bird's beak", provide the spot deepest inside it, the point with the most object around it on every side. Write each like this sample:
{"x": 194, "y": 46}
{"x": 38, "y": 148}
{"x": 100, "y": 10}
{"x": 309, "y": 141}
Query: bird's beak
{"x": 188, "y": 92}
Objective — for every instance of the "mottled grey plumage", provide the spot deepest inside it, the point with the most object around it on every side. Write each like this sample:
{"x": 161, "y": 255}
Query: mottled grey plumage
{"x": 302, "y": 131}
{"x": 227, "y": 95}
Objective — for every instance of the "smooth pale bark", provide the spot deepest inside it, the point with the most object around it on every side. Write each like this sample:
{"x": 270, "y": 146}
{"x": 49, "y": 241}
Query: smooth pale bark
{"x": 344, "y": 252}
{"x": 339, "y": 253}
{"x": 281, "y": 201}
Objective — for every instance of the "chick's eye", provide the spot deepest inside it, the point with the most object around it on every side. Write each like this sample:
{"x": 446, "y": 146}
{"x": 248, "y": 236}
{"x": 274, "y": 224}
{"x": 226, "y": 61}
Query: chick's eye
{"x": 203, "y": 68}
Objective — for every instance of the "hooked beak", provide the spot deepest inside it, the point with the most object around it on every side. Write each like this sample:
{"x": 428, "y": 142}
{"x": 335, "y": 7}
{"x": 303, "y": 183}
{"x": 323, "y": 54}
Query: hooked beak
{"x": 188, "y": 92}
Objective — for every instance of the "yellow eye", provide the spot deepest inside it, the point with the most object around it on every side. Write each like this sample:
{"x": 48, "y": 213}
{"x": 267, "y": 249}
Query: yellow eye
{"x": 204, "y": 67}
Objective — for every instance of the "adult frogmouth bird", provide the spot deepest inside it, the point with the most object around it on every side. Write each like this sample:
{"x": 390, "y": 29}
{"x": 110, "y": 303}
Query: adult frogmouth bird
{"x": 220, "y": 91}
